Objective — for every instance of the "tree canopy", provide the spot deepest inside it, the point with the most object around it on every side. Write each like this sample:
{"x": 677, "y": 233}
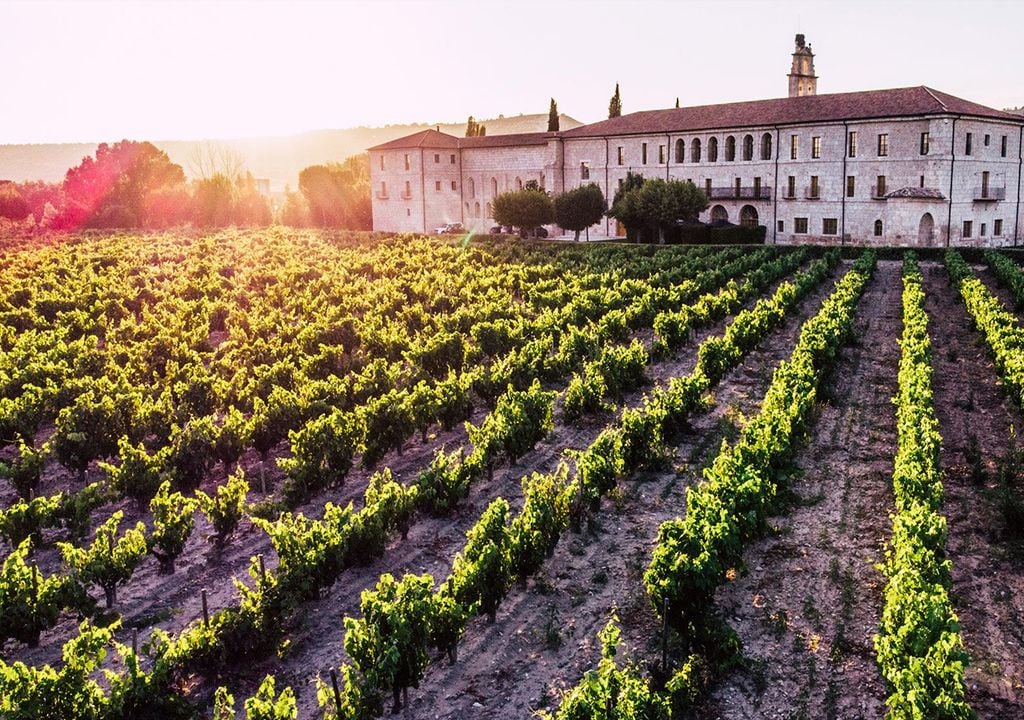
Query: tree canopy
{"x": 615, "y": 105}
{"x": 111, "y": 190}
{"x": 658, "y": 205}
{"x": 475, "y": 129}
{"x": 580, "y": 208}
{"x": 526, "y": 209}
{"x": 553, "y": 116}
{"x": 338, "y": 195}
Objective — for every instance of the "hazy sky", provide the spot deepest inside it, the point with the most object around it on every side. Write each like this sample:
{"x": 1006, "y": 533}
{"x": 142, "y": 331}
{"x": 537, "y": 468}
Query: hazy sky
{"x": 87, "y": 71}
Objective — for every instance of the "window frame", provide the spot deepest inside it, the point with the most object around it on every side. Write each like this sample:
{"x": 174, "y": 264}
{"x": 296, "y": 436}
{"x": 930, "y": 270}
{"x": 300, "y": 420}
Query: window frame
{"x": 816, "y": 147}
{"x": 797, "y": 223}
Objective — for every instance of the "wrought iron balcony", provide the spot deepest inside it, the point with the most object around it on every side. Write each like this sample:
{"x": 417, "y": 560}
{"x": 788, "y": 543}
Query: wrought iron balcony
{"x": 743, "y": 192}
{"x": 986, "y": 194}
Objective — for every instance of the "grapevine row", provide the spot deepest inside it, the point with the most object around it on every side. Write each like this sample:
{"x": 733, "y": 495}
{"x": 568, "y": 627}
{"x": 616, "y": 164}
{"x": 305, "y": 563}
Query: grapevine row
{"x": 693, "y": 555}
{"x": 919, "y": 648}
{"x": 499, "y": 552}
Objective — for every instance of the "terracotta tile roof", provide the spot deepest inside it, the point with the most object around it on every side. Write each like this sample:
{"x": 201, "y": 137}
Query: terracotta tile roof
{"x": 424, "y": 138}
{"x": 435, "y": 139}
{"x": 539, "y": 138}
{"x": 916, "y": 193}
{"x": 865, "y": 105}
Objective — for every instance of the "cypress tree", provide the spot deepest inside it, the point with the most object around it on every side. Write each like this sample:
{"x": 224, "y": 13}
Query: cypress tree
{"x": 553, "y": 116}
{"x": 615, "y": 106}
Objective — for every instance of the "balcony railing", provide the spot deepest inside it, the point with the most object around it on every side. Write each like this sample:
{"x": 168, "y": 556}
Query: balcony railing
{"x": 741, "y": 193}
{"x": 989, "y": 193}
{"x": 812, "y": 193}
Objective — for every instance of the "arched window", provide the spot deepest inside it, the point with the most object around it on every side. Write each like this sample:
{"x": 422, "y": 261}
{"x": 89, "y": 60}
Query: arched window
{"x": 476, "y": 209}
{"x": 713, "y": 149}
{"x": 748, "y": 216}
{"x": 680, "y": 150}
{"x": 695, "y": 150}
{"x": 878, "y": 228}
{"x": 472, "y": 188}
{"x": 748, "y": 147}
{"x": 494, "y": 187}
{"x": 469, "y": 210}
{"x": 489, "y": 213}
{"x": 719, "y": 214}
{"x": 766, "y": 146}
{"x": 519, "y": 184}
{"x": 730, "y": 148}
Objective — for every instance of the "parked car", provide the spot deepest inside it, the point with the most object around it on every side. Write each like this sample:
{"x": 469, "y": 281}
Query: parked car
{"x": 453, "y": 228}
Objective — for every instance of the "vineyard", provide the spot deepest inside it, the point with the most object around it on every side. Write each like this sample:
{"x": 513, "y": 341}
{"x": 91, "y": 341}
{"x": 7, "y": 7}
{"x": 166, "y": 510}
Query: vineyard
{"x": 291, "y": 474}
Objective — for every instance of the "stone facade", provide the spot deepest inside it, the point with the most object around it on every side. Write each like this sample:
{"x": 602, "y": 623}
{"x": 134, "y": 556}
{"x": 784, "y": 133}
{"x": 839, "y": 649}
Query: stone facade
{"x": 910, "y": 166}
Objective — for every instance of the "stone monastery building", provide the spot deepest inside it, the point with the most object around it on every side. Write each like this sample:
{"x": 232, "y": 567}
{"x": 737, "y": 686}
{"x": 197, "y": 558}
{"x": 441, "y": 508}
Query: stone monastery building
{"x": 907, "y": 166}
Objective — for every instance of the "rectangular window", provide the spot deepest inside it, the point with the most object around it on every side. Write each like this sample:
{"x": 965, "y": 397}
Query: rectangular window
{"x": 851, "y": 185}
{"x": 791, "y": 186}
{"x": 437, "y": 157}
{"x": 408, "y": 190}
{"x": 880, "y": 186}
{"x": 983, "y": 229}
{"x": 584, "y": 170}
{"x": 661, "y": 154}
{"x": 997, "y": 227}
{"x": 781, "y": 225}
{"x": 986, "y": 145}
{"x": 815, "y": 190}
{"x": 407, "y": 161}
{"x": 737, "y": 186}
{"x": 383, "y": 187}
{"x": 800, "y": 226}
{"x": 883, "y": 145}
{"x": 707, "y": 187}
{"x": 437, "y": 185}
{"x": 816, "y": 147}
{"x": 969, "y": 144}
{"x": 1002, "y": 147}
{"x": 851, "y": 145}
{"x": 622, "y": 156}
{"x": 643, "y": 153}
{"x": 454, "y": 186}
{"x": 922, "y": 181}
{"x": 792, "y": 147}
{"x": 452, "y": 156}
{"x": 830, "y": 226}
{"x": 924, "y": 143}
{"x": 757, "y": 187}
{"x": 984, "y": 184}
{"x": 381, "y": 162}
{"x": 968, "y": 228}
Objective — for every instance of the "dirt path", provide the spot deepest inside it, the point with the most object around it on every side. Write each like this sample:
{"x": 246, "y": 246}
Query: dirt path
{"x": 975, "y": 420}
{"x": 545, "y": 634}
{"x": 809, "y": 599}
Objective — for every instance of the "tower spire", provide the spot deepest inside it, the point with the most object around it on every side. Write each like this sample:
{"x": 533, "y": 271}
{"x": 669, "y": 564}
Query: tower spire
{"x": 802, "y": 80}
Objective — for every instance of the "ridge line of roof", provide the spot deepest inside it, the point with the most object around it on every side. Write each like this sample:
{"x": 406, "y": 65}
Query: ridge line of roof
{"x": 937, "y": 99}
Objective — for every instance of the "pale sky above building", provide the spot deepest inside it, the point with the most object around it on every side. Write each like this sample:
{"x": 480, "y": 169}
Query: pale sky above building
{"x": 91, "y": 71}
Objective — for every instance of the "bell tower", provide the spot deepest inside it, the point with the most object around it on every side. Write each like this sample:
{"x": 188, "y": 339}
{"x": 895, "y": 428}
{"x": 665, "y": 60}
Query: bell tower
{"x": 802, "y": 80}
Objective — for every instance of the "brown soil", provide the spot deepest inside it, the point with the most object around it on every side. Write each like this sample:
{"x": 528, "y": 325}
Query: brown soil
{"x": 808, "y": 600}
{"x": 150, "y": 600}
{"x": 545, "y": 635}
{"x": 976, "y": 421}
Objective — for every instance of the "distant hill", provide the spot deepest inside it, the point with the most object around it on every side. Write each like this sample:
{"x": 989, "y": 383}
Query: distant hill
{"x": 278, "y": 158}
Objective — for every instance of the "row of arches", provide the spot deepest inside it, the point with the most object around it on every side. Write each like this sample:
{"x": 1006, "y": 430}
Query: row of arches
{"x": 748, "y": 215}
{"x": 747, "y": 149}
{"x": 473, "y": 210}
{"x": 517, "y": 184}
